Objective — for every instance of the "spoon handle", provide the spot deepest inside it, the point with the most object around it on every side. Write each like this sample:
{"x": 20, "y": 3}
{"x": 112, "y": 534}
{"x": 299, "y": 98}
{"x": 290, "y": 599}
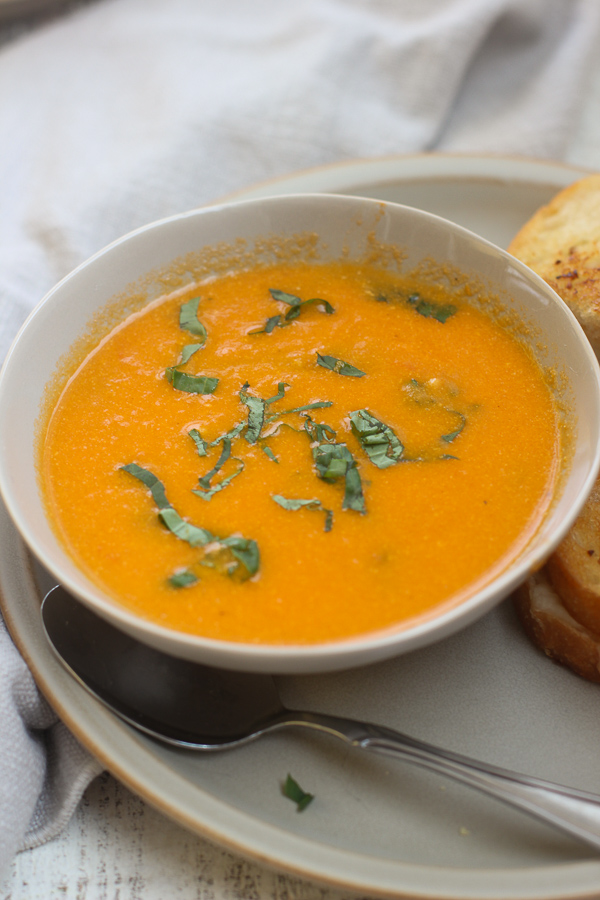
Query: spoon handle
{"x": 575, "y": 812}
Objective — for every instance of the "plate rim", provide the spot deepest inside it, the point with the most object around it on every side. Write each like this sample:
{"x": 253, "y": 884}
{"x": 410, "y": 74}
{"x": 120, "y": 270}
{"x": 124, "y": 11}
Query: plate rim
{"x": 237, "y": 830}
{"x": 420, "y": 166}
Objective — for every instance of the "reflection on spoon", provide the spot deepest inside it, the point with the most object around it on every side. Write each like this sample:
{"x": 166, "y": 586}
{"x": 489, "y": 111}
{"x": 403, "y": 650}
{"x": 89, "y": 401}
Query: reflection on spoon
{"x": 203, "y": 708}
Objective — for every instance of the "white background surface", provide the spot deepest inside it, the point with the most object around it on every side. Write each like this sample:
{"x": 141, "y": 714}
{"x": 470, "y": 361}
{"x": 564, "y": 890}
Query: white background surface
{"x": 118, "y": 848}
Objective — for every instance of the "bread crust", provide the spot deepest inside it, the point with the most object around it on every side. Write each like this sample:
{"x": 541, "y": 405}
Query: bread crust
{"x": 551, "y": 628}
{"x": 560, "y": 606}
{"x": 561, "y": 243}
{"x": 574, "y": 567}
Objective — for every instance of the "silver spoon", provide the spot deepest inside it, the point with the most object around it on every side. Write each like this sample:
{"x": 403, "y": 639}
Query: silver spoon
{"x": 202, "y": 708}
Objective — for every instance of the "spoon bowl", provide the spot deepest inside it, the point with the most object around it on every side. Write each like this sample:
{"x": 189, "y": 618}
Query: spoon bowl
{"x": 200, "y": 707}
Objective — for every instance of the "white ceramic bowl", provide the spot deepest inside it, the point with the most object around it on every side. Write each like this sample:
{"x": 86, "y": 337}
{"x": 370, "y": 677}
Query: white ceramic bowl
{"x": 342, "y": 223}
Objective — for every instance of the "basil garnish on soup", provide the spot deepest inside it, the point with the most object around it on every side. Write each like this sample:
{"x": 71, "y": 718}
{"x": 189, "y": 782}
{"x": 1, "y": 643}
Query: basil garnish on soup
{"x": 296, "y": 304}
{"x": 189, "y": 321}
{"x": 191, "y": 384}
{"x": 295, "y": 504}
{"x": 183, "y": 381}
{"x": 334, "y": 461}
{"x": 376, "y": 438}
{"x": 244, "y": 550}
{"x": 339, "y": 366}
{"x": 355, "y": 414}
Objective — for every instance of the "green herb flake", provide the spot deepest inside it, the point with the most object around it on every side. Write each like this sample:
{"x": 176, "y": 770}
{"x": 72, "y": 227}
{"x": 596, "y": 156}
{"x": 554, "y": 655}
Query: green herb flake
{"x": 339, "y": 366}
{"x": 185, "y": 531}
{"x": 187, "y": 353}
{"x": 229, "y": 435}
{"x": 256, "y": 414}
{"x": 296, "y": 305}
{"x": 280, "y": 393}
{"x": 292, "y": 790}
{"x": 318, "y": 431}
{"x": 376, "y": 438}
{"x": 168, "y": 515}
{"x": 284, "y": 297}
{"x": 448, "y": 438}
{"x": 334, "y": 461}
{"x": 225, "y": 454}
{"x": 295, "y": 504}
{"x": 319, "y": 404}
{"x": 296, "y": 309}
{"x": 208, "y": 491}
{"x": 244, "y": 550}
{"x": 269, "y": 453}
{"x": 188, "y": 320}
{"x": 183, "y": 579}
{"x": 201, "y": 445}
{"x": 191, "y": 384}
{"x": 271, "y": 324}
{"x": 431, "y": 310}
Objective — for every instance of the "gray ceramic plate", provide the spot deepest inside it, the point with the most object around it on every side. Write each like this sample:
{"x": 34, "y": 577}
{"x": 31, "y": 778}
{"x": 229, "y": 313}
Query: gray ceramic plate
{"x": 377, "y": 827}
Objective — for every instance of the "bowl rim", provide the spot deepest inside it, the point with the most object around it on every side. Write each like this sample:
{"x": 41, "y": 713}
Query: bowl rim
{"x": 349, "y": 651}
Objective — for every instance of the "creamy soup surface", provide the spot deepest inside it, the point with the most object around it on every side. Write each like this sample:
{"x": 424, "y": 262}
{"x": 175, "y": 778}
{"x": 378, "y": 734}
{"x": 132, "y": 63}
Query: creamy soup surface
{"x": 301, "y": 453}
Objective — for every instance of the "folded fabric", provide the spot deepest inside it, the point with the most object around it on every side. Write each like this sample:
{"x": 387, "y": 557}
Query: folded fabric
{"x": 43, "y": 769}
{"x": 124, "y": 111}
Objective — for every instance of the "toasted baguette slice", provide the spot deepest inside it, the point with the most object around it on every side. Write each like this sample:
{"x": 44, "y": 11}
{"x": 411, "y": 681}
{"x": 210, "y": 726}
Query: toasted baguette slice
{"x": 574, "y": 567}
{"x": 561, "y": 242}
{"x": 554, "y": 630}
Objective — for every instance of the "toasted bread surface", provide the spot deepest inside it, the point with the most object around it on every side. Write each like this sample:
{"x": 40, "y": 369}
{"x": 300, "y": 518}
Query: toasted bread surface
{"x": 551, "y": 628}
{"x": 574, "y": 567}
{"x": 561, "y": 242}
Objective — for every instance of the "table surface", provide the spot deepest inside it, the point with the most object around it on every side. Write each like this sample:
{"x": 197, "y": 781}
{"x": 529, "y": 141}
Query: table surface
{"x": 117, "y": 847}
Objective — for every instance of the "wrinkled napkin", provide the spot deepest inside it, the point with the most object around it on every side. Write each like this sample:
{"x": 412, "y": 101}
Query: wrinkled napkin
{"x": 119, "y": 112}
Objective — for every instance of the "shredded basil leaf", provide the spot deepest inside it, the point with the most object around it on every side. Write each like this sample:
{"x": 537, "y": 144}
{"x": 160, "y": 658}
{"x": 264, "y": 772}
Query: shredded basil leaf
{"x": 206, "y": 491}
{"x": 296, "y": 308}
{"x": 256, "y": 414}
{"x": 230, "y": 435}
{"x": 191, "y": 384}
{"x": 320, "y": 404}
{"x": 225, "y": 454}
{"x": 269, "y": 453}
{"x": 292, "y": 790}
{"x": 297, "y": 302}
{"x": 432, "y": 310}
{"x": 188, "y": 320}
{"x": 183, "y": 579}
{"x": 334, "y": 461}
{"x": 448, "y": 438}
{"x": 293, "y": 504}
{"x": 339, "y": 366}
{"x": 209, "y": 492}
{"x": 318, "y": 431}
{"x": 185, "y": 531}
{"x": 156, "y": 487}
{"x": 376, "y": 438}
{"x": 283, "y": 297}
{"x": 201, "y": 445}
{"x": 245, "y": 550}
{"x": 296, "y": 305}
{"x": 187, "y": 353}
{"x": 271, "y": 324}
{"x": 280, "y": 393}
{"x": 257, "y": 410}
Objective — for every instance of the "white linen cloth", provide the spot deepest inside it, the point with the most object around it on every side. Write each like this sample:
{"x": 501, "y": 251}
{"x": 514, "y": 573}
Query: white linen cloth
{"x": 125, "y": 111}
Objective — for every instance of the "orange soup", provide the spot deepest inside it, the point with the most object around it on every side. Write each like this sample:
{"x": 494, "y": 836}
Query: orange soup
{"x": 301, "y": 453}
